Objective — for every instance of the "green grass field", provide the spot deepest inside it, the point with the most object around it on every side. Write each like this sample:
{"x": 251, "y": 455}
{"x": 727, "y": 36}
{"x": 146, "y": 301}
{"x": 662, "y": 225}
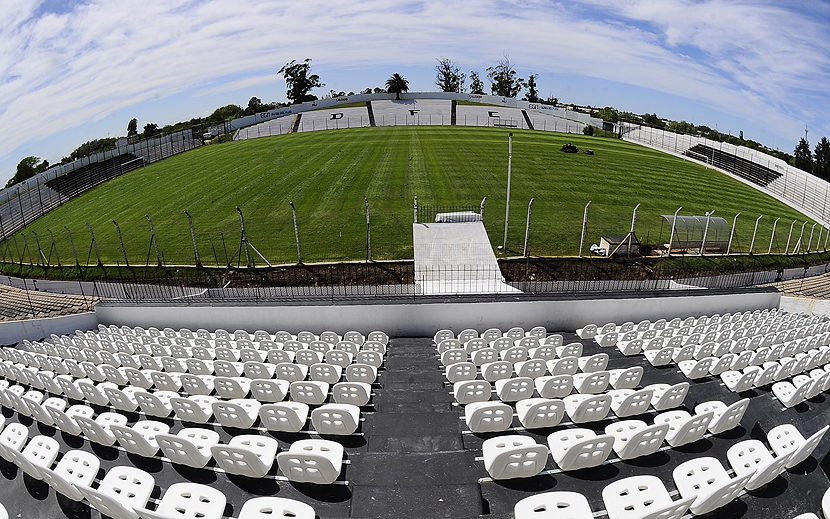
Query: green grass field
{"x": 327, "y": 175}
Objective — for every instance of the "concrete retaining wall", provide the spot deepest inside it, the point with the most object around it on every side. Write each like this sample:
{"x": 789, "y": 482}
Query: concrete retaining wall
{"x": 12, "y": 332}
{"x": 417, "y": 320}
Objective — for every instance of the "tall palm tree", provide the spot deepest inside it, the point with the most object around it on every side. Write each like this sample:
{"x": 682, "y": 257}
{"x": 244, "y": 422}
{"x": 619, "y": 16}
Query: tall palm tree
{"x": 397, "y": 84}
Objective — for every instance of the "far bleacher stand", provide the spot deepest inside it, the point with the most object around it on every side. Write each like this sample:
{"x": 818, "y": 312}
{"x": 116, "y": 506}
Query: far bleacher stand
{"x": 752, "y": 171}
{"x": 87, "y": 177}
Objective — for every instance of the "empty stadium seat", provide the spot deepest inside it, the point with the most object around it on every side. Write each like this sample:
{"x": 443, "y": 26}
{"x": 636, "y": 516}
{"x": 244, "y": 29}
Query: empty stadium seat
{"x": 513, "y": 456}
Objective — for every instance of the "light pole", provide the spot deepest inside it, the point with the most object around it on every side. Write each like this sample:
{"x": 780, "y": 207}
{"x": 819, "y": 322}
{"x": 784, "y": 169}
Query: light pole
{"x": 509, "y": 176}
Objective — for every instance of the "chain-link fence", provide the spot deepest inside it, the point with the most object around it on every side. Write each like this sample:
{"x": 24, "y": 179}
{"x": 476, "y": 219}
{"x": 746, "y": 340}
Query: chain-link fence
{"x": 367, "y": 280}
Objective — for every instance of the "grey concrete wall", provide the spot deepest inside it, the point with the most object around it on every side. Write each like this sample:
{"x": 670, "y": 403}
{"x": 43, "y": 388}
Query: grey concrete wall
{"x": 413, "y": 319}
{"x": 12, "y": 332}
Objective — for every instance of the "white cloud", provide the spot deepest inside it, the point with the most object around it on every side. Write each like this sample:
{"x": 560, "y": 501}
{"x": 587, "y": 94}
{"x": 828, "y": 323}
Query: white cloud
{"x": 760, "y": 61}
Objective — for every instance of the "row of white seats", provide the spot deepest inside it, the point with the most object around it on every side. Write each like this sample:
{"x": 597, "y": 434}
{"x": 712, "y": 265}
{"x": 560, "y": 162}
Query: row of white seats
{"x": 259, "y": 335}
{"x": 128, "y": 397}
{"x": 511, "y": 389}
{"x": 199, "y": 379}
{"x": 289, "y": 416}
{"x": 516, "y": 333}
{"x": 633, "y": 346}
{"x": 516, "y": 354}
{"x": 694, "y": 337}
{"x": 122, "y": 379}
{"x": 703, "y": 483}
{"x": 483, "y": 415}
{"x": 661, "y": 324}
{"x": 124, "y": 491}
{"x": 660, "y": 355}
{"x": 751, "y": 326}
{"x": 307, "y": 461}
{"x": 278, "y": 353}
{"x": 538, "y": 368}
{"x": 778, "y": 369}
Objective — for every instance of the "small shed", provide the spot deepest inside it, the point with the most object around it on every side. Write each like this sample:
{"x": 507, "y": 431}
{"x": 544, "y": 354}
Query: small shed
{"x": 689, "y": 233}
{"x": 627, "y": 245}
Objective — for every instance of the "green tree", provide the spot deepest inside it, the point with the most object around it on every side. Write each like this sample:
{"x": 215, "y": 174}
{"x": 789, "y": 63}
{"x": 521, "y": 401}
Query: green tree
{"x": 609, "y": 114}
{"x": 225, "y": 112}
{"x": 254, "y": 106}
{"x": 653, "y": 120}
{"x": 448, "y": 76}
{"x": 300, "y": 81}
{"x": 476, "y": 85}
{"x": 802, "y": 158}
{"x": 27, "y": 168}
{"x": 553, "y": 101}
{"x": 132, "y": 127}
{"x": 150, "y": 130}
{"x": 532, "y": 95}
{"x": 503, "y": 80}
{"x": 397, "y": 84}
{"x": 821, "y": 159}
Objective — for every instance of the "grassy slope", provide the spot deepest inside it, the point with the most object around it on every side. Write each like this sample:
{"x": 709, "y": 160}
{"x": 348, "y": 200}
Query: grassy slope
{"x": 327, "y": 174}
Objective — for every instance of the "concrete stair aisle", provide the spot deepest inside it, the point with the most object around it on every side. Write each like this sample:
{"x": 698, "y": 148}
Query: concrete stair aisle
{"x": 415, "y": 465}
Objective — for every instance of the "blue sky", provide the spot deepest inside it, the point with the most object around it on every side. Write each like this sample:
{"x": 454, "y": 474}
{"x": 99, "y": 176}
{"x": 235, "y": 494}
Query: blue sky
{"x": 75, "y": 70}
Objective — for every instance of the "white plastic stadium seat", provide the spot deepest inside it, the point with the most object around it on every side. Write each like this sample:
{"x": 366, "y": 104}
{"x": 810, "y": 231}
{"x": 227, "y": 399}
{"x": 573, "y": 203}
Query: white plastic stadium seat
{"x": 336, "y": 419}
{"x": 513, "y": 456}
{"x": 752, "y": 457}
{"x": 683, "y": 427}
{"x": 536, "y": 413}
{"x": 187, "y": 500}
{"x": 284, "y": 416}
{"x": 707, "y": 482}
{"x": 786, "y": 438}
{"x": 122, "y": 489}
{"x": 275, "y": 507}
{"x": 633, "y": 438}
{"x": 642, "y": 497}
{"x": 488, "y": 416}
{"x": 577, "y": 448}
{"x": 553, "y": 505}
{"x": 190, "y": 446}
{"x": 249, "y": 455}
{"x": 312, "y": 461}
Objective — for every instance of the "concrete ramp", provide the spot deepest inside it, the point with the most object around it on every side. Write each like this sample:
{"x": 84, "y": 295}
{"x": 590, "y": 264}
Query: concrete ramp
{"x": 456, "y": 258}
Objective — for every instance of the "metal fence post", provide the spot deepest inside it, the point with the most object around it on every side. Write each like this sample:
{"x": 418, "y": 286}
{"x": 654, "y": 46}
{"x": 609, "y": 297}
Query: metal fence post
{"x": 40, "y": 250}
{"x": 810, "y": 243}
{"x": 483, "y": 200}
{"x": 772, "y": 237}
{"x": 798, "y": 243}
{"x": 55, "y": 247}
{"x": 153, "y": 237}
{"x": 789, "y": 236}
{"x": 193, "y": 235}
{"x": 416, "y": 210}
{"x": 705, "y": 232}
{"x": 296, "y": 233}
{"x": 584, "y": 228}
{"x": 72, "y": 243}
{"x": 752, "y": 245}
{"x": 123, "y": 250}
{"x": 673, "y": 227}
{"x": 26, "y": 248}
{"x": 527, "y": 227}
{"x": 818, "y": 241}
